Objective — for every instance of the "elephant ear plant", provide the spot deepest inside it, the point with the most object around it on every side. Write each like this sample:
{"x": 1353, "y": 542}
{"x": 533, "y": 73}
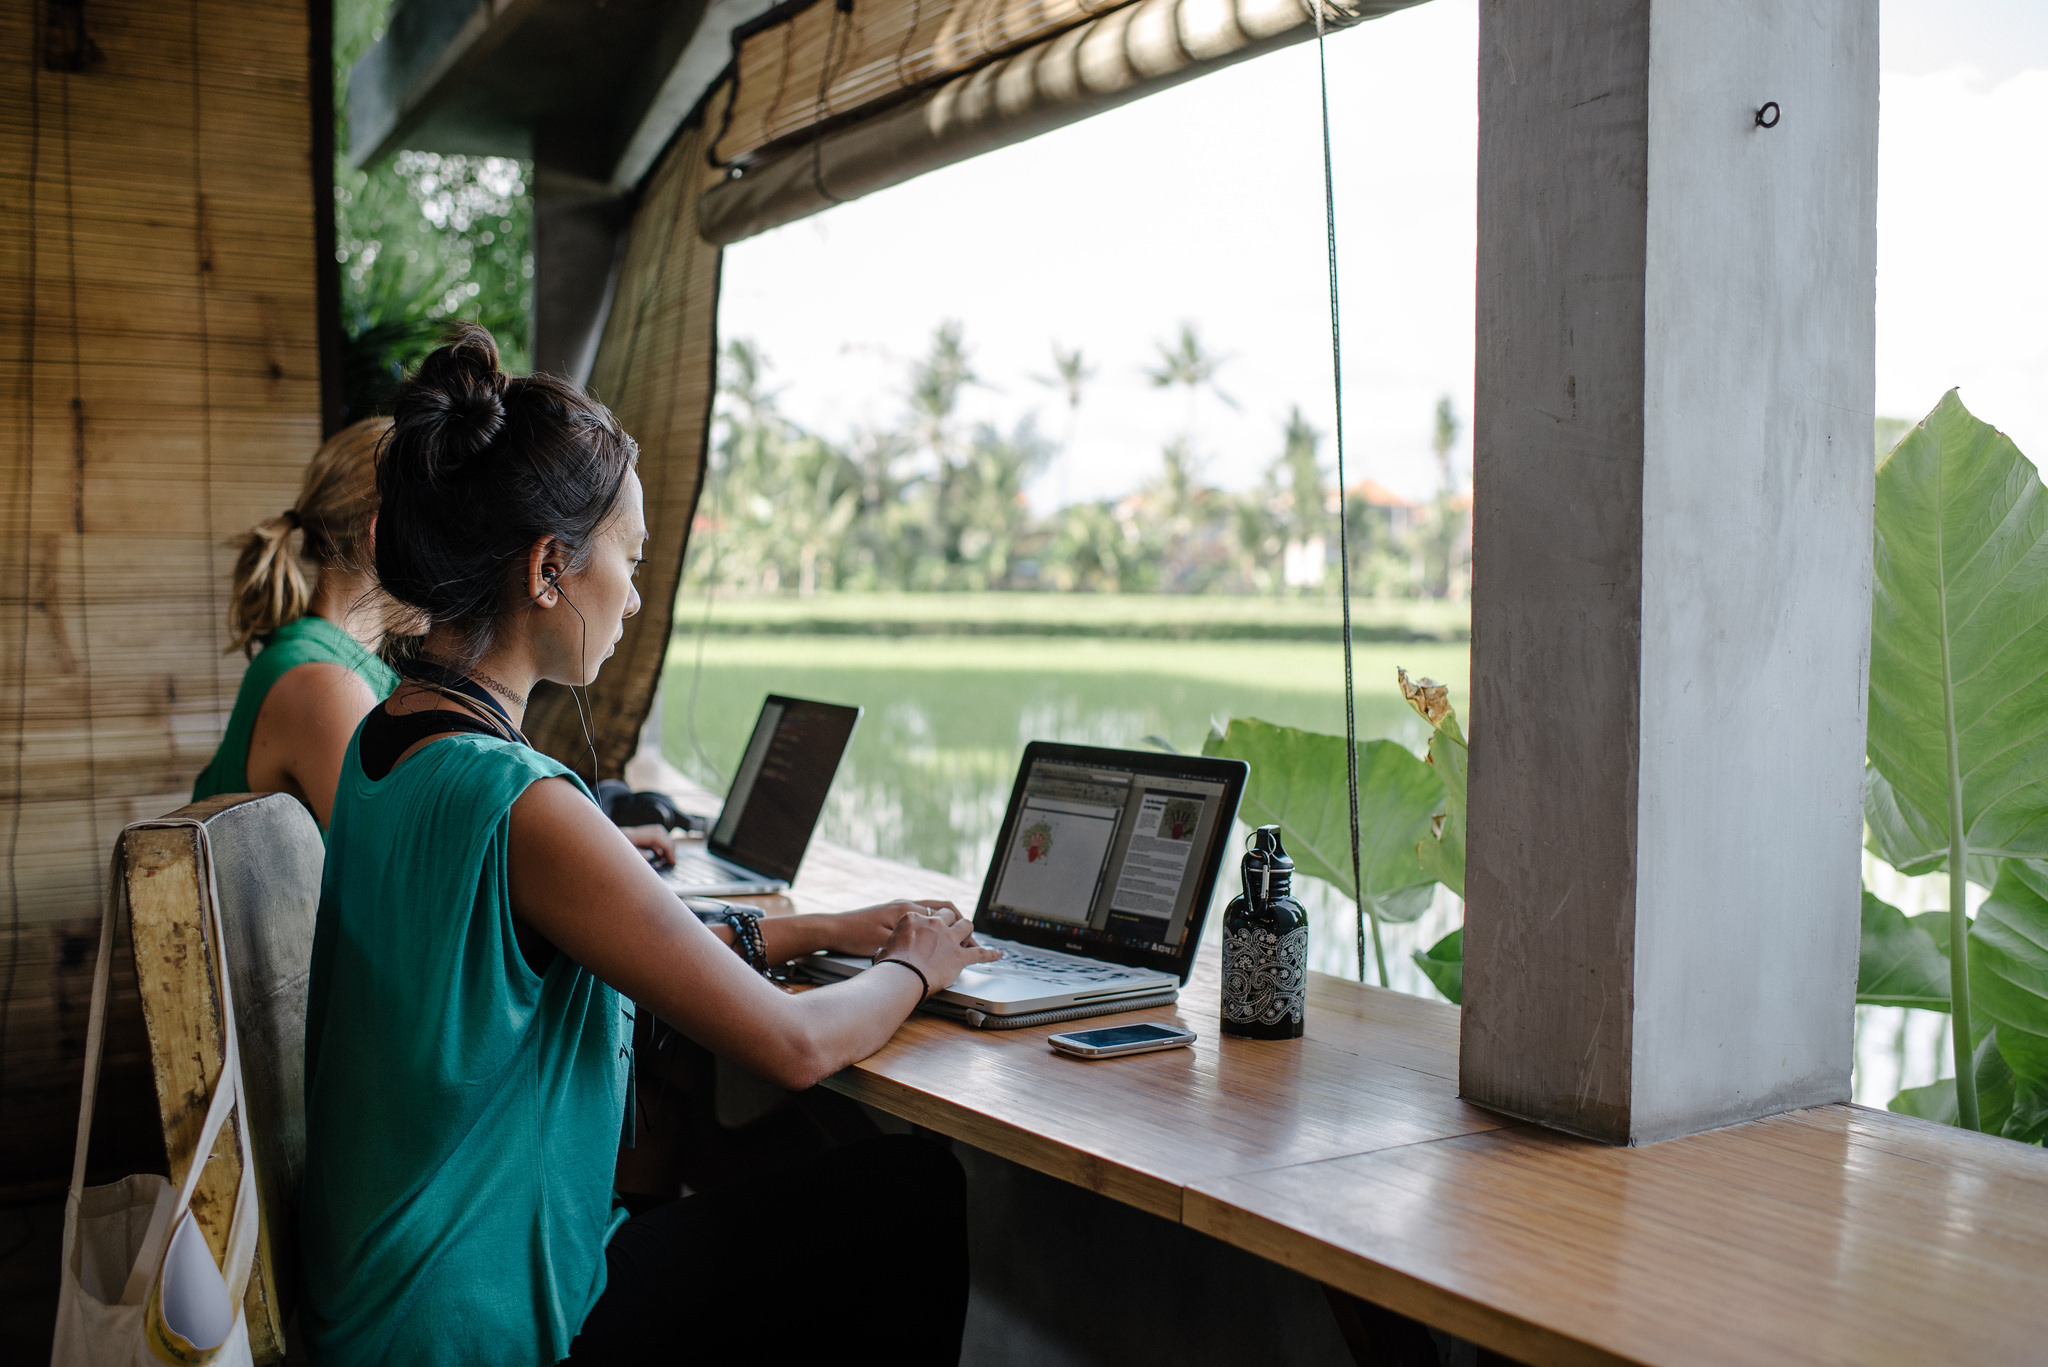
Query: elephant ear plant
{"x": 1411, "y": 817}
{"x": 1298, "y": 783}
{"x": 1957, "y": 776}
{"x": 1958, "y": 749}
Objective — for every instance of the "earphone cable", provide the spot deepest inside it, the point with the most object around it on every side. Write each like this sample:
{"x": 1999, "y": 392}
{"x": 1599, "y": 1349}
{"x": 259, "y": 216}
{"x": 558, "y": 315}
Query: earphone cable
{"x": 554, "y": 581}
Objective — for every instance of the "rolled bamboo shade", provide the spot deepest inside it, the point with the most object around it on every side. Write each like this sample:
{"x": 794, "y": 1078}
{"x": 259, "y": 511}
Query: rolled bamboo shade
{"x": 804, "y": 64}
{"x": 820, "y": 117}
{"x": 657, "y": 368}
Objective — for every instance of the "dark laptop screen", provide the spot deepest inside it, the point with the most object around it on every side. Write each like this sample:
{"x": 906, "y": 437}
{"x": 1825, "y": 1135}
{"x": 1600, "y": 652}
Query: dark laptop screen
{"x": 1111, "y": 853}
{"x": 780, "y": 788}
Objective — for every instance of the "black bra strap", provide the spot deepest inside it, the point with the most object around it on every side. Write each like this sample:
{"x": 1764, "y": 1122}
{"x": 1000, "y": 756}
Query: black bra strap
{"x": 385, "y": 737}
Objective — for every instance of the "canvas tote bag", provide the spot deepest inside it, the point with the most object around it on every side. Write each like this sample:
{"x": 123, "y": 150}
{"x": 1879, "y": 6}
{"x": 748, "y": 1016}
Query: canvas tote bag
{"x": 140, "y": 1284}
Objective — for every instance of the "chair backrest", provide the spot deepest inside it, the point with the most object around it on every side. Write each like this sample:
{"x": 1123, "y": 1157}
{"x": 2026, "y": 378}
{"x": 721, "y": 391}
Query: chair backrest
{"x": 267, "y": 857}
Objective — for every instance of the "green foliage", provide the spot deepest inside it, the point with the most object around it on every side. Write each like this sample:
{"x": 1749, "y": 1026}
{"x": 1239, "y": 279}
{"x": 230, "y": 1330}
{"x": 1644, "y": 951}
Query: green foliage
{"x": 1298, "y": 782}
{"x": 2009, "y": 967}
{"x": 422, "y": 240}
{"x": 1410, "y": 813}
{"x": 1442, "y": 855}
{"x": 1899, "y": 963}
{"x": 1443, "y": 963}
{"x": 1959, "y": 635}
{"x": 1959, "y": 673}
{"x": 2008, "y": 1105}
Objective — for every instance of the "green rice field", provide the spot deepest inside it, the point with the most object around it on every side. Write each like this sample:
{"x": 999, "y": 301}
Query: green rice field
{"x": 954, "y": 685}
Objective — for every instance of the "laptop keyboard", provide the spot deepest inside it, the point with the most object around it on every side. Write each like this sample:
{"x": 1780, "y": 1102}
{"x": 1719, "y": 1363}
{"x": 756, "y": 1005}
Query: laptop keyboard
{"x": 1039, "y": 963}
{"x": 693, "y": 870}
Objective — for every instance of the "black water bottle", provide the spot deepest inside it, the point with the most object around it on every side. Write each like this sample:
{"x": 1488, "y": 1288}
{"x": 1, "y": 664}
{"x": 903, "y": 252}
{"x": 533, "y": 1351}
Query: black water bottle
{"x": 1265, "y": 947}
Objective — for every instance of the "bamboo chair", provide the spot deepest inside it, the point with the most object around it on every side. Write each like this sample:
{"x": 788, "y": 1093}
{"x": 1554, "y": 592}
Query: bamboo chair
{"x": 267, "y": 858}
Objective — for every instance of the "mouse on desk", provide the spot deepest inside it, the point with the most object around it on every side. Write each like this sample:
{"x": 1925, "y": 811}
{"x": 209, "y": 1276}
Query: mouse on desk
{"x": 656, "y": 860}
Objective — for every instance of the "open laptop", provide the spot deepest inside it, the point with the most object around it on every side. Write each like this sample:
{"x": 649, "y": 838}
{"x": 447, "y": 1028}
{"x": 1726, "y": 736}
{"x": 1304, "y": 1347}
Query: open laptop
{"x": 1100, "y": 881}
{"x": 765, "y": 826}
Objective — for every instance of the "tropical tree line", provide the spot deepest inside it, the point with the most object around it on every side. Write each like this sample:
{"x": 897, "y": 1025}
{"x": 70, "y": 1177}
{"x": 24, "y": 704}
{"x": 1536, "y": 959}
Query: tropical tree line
{"x": 929, "y": 500}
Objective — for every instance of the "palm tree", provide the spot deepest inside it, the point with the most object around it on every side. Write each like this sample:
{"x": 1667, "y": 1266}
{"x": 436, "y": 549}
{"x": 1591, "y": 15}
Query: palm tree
{"x": 1071, "y": 375}
{"x": 1189, "y": 364}
{"x": 1442, "y": 440}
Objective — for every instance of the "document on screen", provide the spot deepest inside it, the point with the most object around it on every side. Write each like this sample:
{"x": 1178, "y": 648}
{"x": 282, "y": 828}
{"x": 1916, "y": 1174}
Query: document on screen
{"x": 1056, "y": 859}
{"x": 1157, "y": 860}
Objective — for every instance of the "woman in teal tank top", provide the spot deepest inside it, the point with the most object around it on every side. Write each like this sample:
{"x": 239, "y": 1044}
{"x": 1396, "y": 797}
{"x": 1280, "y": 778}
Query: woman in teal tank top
{"x": 317, "y": 673}
{"x": 483, "y": 933}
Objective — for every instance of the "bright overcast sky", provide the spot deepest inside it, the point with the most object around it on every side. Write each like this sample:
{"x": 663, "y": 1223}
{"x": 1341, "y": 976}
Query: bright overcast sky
{"x": 1205, "y": 203}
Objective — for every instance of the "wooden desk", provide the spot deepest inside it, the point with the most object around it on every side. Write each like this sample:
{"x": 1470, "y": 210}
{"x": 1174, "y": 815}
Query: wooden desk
{"x": 1838, "y": 1234}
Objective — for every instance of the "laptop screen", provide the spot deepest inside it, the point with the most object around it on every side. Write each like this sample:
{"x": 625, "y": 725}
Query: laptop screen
{"x": 1111, "y": 853}
{"x": 780, "y": 788}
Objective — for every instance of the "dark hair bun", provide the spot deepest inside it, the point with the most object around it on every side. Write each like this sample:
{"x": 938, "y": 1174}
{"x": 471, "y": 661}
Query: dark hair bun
{"x": 479, "y": 467}
{"x": 456, "y": 401}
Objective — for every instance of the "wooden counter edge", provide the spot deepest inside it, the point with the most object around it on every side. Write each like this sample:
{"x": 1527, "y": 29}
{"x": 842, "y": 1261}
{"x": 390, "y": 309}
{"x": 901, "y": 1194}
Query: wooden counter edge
{"x": 1152, "y": 1195}
{"x": 1384, "y": 1286}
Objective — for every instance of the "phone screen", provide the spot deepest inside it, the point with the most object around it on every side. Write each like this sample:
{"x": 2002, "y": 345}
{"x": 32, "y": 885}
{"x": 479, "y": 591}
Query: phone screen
{"x": 1124, "y": 1034}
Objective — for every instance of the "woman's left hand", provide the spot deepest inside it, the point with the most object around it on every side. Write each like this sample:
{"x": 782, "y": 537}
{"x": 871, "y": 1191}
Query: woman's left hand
{"x": 651, "y": 838}
{"x": 865, "y": 931}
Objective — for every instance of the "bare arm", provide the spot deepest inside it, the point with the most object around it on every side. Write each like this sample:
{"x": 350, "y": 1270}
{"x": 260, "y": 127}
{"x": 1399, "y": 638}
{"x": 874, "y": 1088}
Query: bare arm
{"x": 302, "y": 731}
{"x": 577, "y": 881}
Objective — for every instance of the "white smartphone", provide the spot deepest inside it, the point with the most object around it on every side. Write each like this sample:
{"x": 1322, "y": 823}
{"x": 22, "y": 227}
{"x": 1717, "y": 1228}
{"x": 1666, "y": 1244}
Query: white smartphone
{"x": 1113, "y": 1040}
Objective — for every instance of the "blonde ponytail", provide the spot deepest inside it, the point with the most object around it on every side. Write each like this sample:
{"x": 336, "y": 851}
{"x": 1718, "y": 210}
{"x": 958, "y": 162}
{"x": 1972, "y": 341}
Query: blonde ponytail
{"x": 274, "y": 584}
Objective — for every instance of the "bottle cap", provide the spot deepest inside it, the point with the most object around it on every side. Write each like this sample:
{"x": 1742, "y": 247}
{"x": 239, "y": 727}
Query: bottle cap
{"x": 1266, "y": 864}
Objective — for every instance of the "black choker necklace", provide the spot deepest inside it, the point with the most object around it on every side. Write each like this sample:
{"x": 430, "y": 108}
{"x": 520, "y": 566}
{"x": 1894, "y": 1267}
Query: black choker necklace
{"x": 460, "y": 687}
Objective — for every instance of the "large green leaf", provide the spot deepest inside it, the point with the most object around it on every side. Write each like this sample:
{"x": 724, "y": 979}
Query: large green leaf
{"x": 1443, "y": 963}
{"x": 2007, "y": 1104}
{"x": 2009, "y": 966}
{"x": 1909, "y": 842}
{"x": 1934, "y": 924}
{"x": 1959, "y": 634}
{"x": 1899, "y": 964}
{"x": 1442, "y": 857}
{"x": 1298, "y": 783}
{"x": 1937, "y": 1100}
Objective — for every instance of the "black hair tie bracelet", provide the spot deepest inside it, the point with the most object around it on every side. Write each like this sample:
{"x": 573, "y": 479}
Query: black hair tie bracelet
{"x": 905, "y": 963}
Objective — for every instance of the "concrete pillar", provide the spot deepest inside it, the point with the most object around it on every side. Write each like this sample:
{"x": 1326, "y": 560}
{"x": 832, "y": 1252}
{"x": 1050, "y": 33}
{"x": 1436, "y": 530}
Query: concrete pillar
{"x": 1671, "y": 598}
{"x": 579, "y": 228}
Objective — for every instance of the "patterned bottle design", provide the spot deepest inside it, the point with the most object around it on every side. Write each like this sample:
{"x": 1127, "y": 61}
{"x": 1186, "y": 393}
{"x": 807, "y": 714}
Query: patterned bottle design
{"x": 1265, "y": 947}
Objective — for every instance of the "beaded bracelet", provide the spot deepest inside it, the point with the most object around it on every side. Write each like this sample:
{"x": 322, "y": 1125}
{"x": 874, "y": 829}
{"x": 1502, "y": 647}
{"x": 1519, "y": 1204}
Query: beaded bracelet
{"x": 905, "y": 963}
{"x": 748, "y": 940}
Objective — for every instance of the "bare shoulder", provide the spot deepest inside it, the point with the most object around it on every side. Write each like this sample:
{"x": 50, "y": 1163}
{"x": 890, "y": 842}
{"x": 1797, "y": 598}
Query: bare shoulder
{"x": 320, "y": 696}
{"x": 553, "y": 813}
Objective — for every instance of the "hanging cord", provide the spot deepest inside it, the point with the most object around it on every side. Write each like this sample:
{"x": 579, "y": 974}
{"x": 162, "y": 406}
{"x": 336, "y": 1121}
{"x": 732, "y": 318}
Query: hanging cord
{"x": 714, "y": 489}
{"x": 1343, "y": 521}
{"x": 840, "y": 8}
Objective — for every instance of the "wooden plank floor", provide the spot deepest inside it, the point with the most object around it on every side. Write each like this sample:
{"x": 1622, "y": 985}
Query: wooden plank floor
{"x": 1833, "y": 1235}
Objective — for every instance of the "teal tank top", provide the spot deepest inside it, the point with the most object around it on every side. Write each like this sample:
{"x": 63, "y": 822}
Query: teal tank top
{"x": 463, "y": 1113}
{"x": 309, "y": 640}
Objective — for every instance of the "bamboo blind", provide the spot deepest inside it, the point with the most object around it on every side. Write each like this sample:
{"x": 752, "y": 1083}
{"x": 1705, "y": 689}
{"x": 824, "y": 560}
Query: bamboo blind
{"x": 657, "y": 367}
{"x": 1122, "y": 53}
{"x": 826, "y": 61}
{"x": 808, "y": 67}
{"x": 161, "y": 374}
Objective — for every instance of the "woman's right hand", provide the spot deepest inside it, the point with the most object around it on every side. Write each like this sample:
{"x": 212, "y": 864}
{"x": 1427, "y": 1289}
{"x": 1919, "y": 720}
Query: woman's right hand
{"x": 937, "y": 945}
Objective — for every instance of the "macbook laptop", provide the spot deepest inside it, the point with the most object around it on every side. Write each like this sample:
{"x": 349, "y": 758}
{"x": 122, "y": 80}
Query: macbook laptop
{"x": 761, "y": 834}
{"x": 1101, "y": 878}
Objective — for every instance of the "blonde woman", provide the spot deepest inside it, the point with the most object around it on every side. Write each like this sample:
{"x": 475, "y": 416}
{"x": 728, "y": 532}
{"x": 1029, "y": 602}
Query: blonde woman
{"x": 319, "y": 618}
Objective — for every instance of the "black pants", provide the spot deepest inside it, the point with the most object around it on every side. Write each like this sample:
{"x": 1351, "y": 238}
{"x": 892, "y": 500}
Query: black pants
{"x": 857, "y": 1255}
